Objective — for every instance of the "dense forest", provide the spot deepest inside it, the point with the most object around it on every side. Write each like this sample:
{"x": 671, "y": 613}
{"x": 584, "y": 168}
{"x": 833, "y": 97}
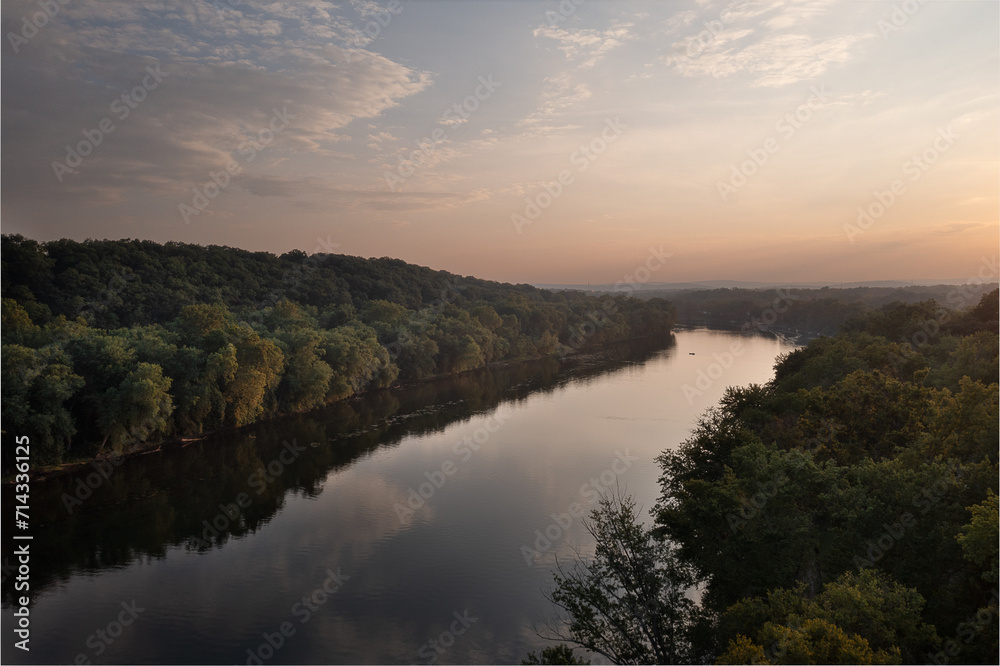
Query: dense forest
{"x": 810, "y": 311}
{"x": 845, "y": 512}
{"x": 111, "y": 344}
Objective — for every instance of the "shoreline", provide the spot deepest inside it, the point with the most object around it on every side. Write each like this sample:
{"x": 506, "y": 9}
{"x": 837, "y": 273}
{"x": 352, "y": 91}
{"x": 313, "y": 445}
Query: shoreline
{"x": 54, "y": 471}
{"x": 794, "y": 336}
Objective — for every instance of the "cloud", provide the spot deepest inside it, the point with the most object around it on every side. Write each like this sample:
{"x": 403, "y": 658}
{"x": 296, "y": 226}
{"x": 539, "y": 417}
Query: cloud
{"x": 590, "y": 46}
{"x": 318, "y": 193}
{"x": 957, "y": 227}
{"x": 213, "y": 97}
{"x": 772, "y": 41}
{"x": 775, "y": 61}
{"x": 375, "y": 140}
{"x": 562, "y": 93}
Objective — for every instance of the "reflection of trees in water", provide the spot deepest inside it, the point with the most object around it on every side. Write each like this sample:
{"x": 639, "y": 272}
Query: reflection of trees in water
{"x": 153, "y": 502}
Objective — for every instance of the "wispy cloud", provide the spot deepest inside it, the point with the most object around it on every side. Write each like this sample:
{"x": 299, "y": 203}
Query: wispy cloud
{"x": 214, "y": 98}
{"x": 774, "y": 61}
{"x": 561, "y": 95}
{"x": 587, "y": 46}
{"x": 771, "y": 41}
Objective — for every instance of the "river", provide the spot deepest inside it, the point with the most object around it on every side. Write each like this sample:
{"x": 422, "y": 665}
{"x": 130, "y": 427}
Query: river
{"x": 407, "y": 526}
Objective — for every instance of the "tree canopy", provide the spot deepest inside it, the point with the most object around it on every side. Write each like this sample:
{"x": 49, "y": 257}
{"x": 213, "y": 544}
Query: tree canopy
{"x": 845, "y": 512}
{"x": 108, "y": 345}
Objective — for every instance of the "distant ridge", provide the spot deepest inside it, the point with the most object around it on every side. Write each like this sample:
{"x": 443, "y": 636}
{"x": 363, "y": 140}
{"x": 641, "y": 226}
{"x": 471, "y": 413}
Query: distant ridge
{"x": 740, "y": 284}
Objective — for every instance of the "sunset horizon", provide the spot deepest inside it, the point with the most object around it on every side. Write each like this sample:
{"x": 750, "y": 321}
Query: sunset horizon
{"x": 755, "y": 141}
{"x": 500, "y": 331}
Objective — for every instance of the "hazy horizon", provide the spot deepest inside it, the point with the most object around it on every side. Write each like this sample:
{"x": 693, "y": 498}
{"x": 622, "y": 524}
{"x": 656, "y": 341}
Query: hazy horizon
{"x": 527, "y": 142}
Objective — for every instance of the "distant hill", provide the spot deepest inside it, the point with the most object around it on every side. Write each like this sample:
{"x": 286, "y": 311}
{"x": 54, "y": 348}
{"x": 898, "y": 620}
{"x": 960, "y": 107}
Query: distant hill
{"x": 742, "y": 284}
{"x": 109, "y": 344}
{"x": 812, "y": 311}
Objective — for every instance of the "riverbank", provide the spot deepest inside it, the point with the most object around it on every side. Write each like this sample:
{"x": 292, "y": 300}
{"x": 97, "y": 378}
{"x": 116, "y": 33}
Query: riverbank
{"x": 47, "y": 472}
{"x": 146, "y": 532}
{"x": 787, "y": 335}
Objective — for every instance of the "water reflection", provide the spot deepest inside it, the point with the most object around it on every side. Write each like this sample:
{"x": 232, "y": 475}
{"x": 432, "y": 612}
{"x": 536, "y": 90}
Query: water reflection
{"x": 226, "y": 541}
{"x": 227, "y": 486}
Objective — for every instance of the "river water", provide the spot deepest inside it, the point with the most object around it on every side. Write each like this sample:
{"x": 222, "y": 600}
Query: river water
{"x": 416, "y": 525}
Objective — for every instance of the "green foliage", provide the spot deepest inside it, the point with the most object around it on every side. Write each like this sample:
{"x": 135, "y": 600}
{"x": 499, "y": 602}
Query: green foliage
{"x": 826, "y": 311}
{"x": 980, "y": 537}
{"x": 866, "y": 609}
{"x": 811, "y": 641}
{"x": 116, "y": 343}
{"x": 137, "y": 408}
{"x": 557, "y": 654}
{"x": 627, "y": 602}
{"x": 851, "y": 477}
{"x": 35, "y": 385}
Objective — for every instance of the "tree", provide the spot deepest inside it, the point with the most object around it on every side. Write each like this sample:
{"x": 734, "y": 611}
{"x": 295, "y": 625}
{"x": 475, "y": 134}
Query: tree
{"x": 979, "y": 538}
{"x": 259, "y": 364}
{"x": 305, "y": 382}
{"x": 138, "y": 408}
{"x": 35, "y": 385}
{"x": 811, "y": 641}
{"x": 358, "y": 361}
{"x": 859, "y": 618}
{"x": 628, "y": 601}
{"x": 556, "y": 654}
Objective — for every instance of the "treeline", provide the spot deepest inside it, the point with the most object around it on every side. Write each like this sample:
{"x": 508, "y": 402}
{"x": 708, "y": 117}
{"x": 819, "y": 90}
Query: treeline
{"x": 845, "y": 512}
{"x": 110, "y": 344}
{"x": 811, "y": 311}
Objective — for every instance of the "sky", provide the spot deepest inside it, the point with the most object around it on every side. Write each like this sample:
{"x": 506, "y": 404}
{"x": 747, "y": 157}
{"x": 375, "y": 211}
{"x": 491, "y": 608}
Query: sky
{"x": 539, "y": 142}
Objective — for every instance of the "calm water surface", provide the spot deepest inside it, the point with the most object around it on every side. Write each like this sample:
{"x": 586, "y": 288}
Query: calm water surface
{"x": 431, "y": 513}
